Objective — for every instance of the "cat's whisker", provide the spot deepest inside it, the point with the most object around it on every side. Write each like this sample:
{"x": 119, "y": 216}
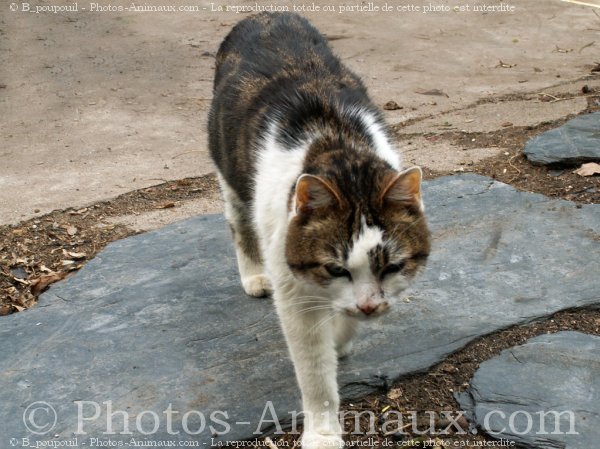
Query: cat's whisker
{"x": 307, "y": 312}
{"x": 322, "y": 322}
{"x": 409, "y": 226}
{"x": 310, "y": 304}
{"x": 309, "y": 299}
{"x": 312, "y": 301}
{"x": 309, "y": 296}
{"x": 324, "y": 306}
{"x": 312, "y": 309}
{"x": 315, "y": 300}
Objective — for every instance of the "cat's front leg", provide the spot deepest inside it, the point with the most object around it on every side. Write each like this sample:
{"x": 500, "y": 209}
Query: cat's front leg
{"x": 310, "y": 338}
{"x": 344, "y": 330}
{"x": 250, "y": 265}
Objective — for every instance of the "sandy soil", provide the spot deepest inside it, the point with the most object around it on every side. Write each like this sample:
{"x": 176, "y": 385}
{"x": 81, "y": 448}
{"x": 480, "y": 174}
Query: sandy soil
{"x": 95, "y": 104}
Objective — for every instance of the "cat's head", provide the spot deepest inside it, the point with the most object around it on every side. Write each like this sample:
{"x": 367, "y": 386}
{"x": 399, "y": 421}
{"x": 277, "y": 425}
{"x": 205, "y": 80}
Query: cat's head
{"x": 358, "y": 250}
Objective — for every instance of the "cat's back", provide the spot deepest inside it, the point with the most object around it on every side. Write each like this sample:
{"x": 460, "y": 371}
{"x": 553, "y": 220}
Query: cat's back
{"x": 271, "y": 67}
{"x": 267, "y": 44}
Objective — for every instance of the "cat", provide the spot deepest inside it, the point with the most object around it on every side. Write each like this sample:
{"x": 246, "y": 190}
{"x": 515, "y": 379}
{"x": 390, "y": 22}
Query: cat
{"x": 321, "y": 213}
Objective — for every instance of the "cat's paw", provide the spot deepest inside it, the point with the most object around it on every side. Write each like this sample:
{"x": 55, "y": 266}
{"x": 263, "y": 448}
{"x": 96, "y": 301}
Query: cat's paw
{"x": 314, "y": 440}
{"x": 257, "y": 285}
{"x": 344, "y": 350}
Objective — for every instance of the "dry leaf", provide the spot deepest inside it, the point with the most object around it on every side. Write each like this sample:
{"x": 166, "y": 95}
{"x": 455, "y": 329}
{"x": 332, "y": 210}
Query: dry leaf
{"x": 394, "y": 393}
{"x": 5, "y": 309}
{"x": 40, "y": 284}
{"x": 437, "y": 92}
{"x": 74, "y": 267}
{"x": 562, "y": 50}
{"x": 505, "y": 65}
{"x": 335, "y": 37}
{"x": 71, "y": 230}
{"x": 269, "y": 443}
{"x": 586, "y": 46}
{"x": 73, "y": 255}
{"x": 588, "y": 169}
{"x": 166, "y": 205}
{"x": 448, "y": 368}
{"x": 20, "y": 281}
{"x": 25, "y": 300}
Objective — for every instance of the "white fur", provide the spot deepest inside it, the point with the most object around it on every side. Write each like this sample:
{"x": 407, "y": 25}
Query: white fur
{"x": 252, "y": 274}
{"x": 300, "y": 309}
{"x": 369, "y": 238}
{"x": 364, "y": 288}
{"x": 277, "y": 171}
{"x": 316, "y": 335}
{"x": 382, "y": 145}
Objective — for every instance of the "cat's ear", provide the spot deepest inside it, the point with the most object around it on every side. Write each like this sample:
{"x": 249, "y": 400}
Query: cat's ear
{"x": 313, "y": 192}
{"x": 403, "y": 189}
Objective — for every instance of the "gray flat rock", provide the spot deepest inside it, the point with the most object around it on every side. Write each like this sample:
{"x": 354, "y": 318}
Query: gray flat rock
{"x": 543, "y": 394}
{"x": 159, "y": 319}
{"x": 574, "y": 143}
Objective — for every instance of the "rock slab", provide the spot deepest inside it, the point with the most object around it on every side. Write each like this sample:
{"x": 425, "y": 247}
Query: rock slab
{"x": 543, "y": 394}
{"x": 574, "y": 143}
{"x": 159, "y": 322}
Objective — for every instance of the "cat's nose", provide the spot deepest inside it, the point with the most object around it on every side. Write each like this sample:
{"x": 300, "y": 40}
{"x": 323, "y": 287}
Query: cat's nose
{"x": 373, "y": 307}
{"x": 367, "y": 308}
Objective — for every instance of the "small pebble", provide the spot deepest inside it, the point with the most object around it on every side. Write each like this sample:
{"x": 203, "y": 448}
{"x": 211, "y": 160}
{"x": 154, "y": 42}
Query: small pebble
{"x": 392, "y": 106}
{"x": 462, "y": 422}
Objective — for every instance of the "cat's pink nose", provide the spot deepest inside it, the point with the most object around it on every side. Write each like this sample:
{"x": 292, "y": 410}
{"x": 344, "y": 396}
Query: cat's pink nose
{"x": 367, "y": 308}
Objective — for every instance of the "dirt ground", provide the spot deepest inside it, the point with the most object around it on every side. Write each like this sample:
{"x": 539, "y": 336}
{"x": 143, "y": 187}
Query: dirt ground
{"x": 103, "y": 133}
{"x": 99, "y": 103}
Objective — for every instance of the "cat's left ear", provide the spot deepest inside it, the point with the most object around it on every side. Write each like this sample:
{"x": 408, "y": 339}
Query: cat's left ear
{"x": 313, "y": 193}
{"x": 403, "y": 189}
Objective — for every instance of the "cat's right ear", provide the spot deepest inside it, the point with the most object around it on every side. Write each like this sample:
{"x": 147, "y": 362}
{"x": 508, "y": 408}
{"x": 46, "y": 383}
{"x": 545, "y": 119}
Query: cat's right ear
{"x": 313, "y": 193}
{"x": 403, "y": 189}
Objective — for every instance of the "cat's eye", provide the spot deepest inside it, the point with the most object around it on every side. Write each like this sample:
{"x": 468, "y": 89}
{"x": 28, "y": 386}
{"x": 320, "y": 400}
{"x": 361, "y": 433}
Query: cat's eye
{"x": 337, "y": 272}
{"x": 392, "y": 268}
